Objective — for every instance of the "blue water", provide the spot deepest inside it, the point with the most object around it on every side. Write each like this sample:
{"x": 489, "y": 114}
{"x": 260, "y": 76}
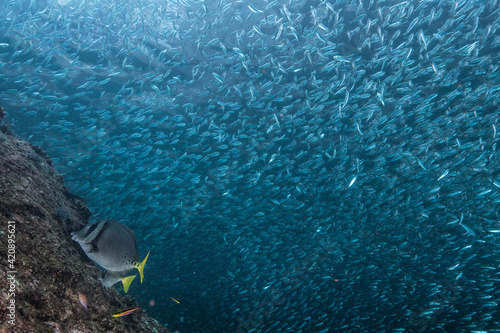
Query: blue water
{"x": 293, "y": 166}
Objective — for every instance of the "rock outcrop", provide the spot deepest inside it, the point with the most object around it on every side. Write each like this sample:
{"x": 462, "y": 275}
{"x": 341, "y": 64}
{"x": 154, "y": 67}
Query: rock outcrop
{"x": 44, "y": 277}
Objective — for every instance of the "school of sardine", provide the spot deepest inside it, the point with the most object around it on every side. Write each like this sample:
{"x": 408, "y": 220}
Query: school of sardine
{"x": 293, "y": 165}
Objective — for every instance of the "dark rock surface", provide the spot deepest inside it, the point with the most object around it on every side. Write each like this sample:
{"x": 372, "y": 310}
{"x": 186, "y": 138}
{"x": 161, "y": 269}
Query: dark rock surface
{"x": 50, "y": 269}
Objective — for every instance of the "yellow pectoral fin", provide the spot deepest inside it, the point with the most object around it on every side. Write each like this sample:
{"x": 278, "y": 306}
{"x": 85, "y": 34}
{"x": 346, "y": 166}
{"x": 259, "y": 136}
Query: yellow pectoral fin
{"x": 127, "y": 281}
{"x": 140, "y": 267}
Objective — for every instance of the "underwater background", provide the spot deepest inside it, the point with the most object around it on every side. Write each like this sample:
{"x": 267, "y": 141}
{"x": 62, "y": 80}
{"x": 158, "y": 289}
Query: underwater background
{"x": 299, "y": 166}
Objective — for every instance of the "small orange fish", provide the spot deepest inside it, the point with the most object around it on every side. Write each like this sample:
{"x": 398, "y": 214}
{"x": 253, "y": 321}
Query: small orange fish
{"x": 83, "y": 300}
{"x": 125, "y": 312}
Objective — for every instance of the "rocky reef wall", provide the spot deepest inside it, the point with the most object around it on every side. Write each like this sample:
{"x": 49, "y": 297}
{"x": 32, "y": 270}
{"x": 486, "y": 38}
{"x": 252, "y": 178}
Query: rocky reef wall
{"x": 44, "y": 278}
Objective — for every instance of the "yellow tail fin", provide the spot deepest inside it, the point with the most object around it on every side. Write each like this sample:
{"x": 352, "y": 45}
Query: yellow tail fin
{"x": 127, "y": 281}
{"x": 140, "y": 267}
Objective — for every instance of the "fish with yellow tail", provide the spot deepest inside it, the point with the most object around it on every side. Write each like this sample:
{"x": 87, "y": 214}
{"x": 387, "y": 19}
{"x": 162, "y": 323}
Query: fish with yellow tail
{"x": 109, "y": 279}
{"x": 112, "y": 246}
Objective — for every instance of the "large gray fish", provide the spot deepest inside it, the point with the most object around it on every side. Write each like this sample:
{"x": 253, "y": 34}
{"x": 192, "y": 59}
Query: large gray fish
{"x": 112, "y": 246}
